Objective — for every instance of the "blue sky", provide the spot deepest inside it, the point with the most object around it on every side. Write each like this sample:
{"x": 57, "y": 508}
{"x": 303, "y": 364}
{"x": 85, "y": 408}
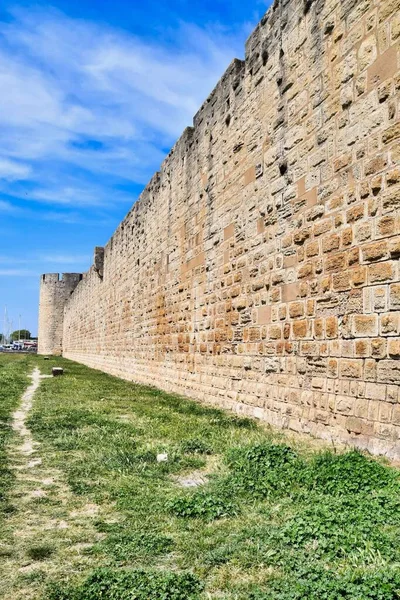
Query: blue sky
{"x": 93, "y": 95}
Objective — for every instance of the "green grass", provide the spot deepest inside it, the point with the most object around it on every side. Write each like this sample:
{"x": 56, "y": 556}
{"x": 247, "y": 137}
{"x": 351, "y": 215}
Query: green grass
{"x": 13, "y": 381}
{"x": 40, "y": 552}
{"x": 277, "y": 519}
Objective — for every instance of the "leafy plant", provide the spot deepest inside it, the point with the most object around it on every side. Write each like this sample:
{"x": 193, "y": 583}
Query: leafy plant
{"x": 264, "y": 468}
{"x": 203, "y": 505}
{"x": 316, "y": 583}
{"x": 109, "y": 584}
{"x": 348, "y": 473}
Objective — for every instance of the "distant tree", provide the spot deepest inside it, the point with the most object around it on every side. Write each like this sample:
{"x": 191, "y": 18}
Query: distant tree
{"x": 21, "y": 334}
{"x": 1, "y": 338}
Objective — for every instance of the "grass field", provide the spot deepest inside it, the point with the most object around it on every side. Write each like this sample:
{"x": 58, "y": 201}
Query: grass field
{"x": 13, "y": 380}
{"x": 268, "y": 517}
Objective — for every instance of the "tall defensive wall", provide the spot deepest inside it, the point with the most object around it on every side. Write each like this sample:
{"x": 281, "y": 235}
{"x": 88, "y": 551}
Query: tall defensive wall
{"x": 259, "y": 270}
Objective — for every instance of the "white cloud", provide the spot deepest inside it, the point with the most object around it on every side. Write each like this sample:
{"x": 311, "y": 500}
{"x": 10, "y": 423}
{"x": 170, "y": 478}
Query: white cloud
{"x": 86, "y": 99}
{"x": 12, "y": 170}
{"x": 66, "y": 259}
{"x": 6, "y": 207}
{"x": 75, "y": 196}
{"x": 17, "y": 273}
{"x": 43, "y": 257}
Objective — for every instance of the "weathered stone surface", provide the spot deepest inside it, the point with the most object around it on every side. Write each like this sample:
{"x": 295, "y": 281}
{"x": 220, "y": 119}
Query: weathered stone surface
{"x": 54, "y": 293}
{"x": 259, "y": 270}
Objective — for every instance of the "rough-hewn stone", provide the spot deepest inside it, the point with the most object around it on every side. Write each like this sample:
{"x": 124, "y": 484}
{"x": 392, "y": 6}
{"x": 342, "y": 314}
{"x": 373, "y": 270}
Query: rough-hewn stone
{"x": 54, "y": 293}
{"x": 259, "y": 270}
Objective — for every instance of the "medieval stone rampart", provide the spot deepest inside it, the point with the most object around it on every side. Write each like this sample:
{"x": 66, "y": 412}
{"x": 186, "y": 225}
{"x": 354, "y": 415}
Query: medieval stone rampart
{"x": 54, "y": 293}
{"x": 259, "y": 270}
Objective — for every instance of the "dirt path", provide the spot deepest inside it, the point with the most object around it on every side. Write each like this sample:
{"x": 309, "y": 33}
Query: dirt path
{"x": 48, "y": 521}
{"x": 28, "y": 447}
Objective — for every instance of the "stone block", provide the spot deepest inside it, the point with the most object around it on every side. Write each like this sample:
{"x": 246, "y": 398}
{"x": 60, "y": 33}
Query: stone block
{"x": 375, "y": 252}
{"x": 296, "y": 309}
{"x": 386, "y": 226}
{"x": 390, "y": 323}
{"x": 381, "y": 272}
{"x": 383, "y": 68}
{"x": 362, "y": 348}
{"x": 394, "y": 296}
{"x": 331, "y": 327}
{"x": 354, "y": 425}
{"x": 300, "y": 329}
{"x": 250, "y": 176}
{"x": 365, "y": 325}
{"x": 350, "y": 369}
{"x": 330, "y": 243}
{"x": 388, "y": 371}
{"x": 344, "y": 405}
{"x": 394, "y": 349}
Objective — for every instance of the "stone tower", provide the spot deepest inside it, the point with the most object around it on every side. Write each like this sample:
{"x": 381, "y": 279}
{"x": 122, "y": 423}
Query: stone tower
{"x": 54, "y": 292}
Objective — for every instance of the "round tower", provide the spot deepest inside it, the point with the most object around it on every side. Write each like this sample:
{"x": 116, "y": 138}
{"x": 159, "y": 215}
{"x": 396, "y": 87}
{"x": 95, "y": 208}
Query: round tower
{"x": 54, "y": 293}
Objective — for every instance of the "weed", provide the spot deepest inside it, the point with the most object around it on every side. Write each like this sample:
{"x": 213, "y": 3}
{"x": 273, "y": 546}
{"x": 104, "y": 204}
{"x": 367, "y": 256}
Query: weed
{"x": 348, "y": 473}
{"x": 108, "y": 584}
{"x": 312, "y": 582}
{"x": 264, "y": 469}
{"x": 202, "y": 505}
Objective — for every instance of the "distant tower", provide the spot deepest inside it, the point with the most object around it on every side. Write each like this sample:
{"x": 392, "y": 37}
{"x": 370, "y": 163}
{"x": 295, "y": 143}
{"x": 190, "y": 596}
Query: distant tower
{"x": 54, "y": 293}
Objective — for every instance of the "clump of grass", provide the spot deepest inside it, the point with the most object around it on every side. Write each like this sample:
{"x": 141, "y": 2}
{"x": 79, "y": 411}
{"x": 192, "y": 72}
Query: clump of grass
{"x": 196, "y": 446}
{"x": 125, "y": 546}
{"x": 36, "y": 576}
{"x": 109, "y": 584}
{"x": 40, "y": 552}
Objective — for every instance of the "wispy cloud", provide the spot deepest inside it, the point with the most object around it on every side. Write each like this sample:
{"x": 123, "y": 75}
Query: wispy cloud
{"x": 17, "y": 273}
{"x": 12, "y": 170}
{"x": 89, "y": 107}
{"x": 59, "y": 259}
{"x": 42, "y": 262}
{"x": 6, "y": 207}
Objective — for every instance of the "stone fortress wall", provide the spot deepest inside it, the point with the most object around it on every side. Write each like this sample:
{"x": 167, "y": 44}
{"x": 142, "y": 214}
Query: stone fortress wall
{"x": 259, "y": 271}
{"x": 54, "y": 293}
